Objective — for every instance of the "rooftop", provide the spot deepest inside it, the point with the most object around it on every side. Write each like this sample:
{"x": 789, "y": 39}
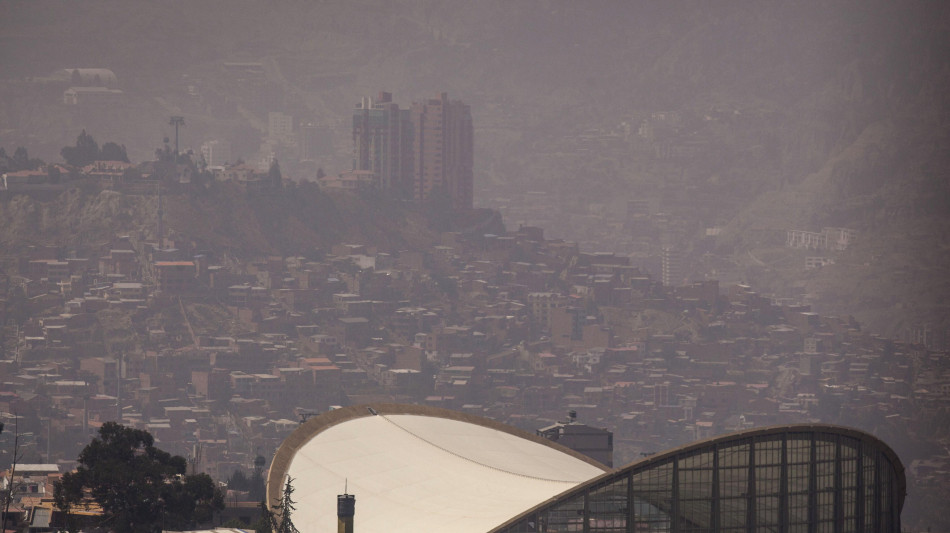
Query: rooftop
{"x": 420, "y": 469}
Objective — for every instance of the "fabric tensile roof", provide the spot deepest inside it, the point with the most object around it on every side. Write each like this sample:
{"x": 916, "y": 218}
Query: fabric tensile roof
{"x": 420, "y": 469}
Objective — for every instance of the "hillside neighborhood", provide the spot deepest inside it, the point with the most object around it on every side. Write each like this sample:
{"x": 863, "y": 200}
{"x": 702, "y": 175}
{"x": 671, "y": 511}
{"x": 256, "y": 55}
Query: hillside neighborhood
{"x": 627, "y": 227}
{"x": 220, "y": 357}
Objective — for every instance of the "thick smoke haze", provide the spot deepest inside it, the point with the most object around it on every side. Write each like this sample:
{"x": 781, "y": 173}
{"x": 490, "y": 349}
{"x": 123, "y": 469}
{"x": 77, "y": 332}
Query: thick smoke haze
{"x": 704, "y": 141}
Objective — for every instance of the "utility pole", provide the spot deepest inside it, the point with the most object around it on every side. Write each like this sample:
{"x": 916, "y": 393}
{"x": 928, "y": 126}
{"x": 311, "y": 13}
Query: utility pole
{"x": 5, "y": 293}
{"x": 161, "y": 213}
{"x": 118, "y": 389}
{"x": 176, "y": 121}
{"x": 49, "y": 431}
{"x": 11, "y": 487}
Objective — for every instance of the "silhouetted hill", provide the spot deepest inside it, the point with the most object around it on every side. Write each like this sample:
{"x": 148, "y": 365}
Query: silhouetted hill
{"x": 296, "y": 220}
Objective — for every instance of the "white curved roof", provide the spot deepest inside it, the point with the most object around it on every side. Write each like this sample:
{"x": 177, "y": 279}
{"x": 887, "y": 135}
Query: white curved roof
{"x": 413, "y": 472}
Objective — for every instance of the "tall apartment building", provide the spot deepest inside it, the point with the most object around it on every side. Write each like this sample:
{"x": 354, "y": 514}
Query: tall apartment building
{"x": 216, "y": 152}
{"x": 280, "y": 127}
{"x": 382, "y": 142}
{"x": 417, "y": 151}
{"x": 443, "y": 149}
{"x": 312, "y": 141}
{"x": 673, "y": 268}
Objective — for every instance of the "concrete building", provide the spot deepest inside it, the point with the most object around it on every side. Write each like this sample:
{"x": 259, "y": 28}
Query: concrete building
{"x": 91, "y": 95}
{"x": 596, "y": 443}
{"x": 217, "y": 152}
{"x": 673, "y": 274}
{"x": 443, "y": 150}
{"x": 836, "y": 239}
{"x": 312, "y": 141}
{"x": 280, "y": 127}
{"x": 175, "y": 276}
{"x": 540, "y": 305}
{"x": 382, "y": 142}
{"x": 418, "y": 152}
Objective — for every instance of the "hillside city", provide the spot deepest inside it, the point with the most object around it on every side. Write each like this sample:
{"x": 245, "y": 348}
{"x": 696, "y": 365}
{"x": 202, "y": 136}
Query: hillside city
{"x": 221, "y": 355}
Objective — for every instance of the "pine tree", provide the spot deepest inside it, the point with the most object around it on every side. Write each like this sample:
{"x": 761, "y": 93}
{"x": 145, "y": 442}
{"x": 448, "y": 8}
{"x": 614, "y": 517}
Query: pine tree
{"x": 86, "y": 151}
{"x": 273, "y": 175}
{"x": 280, "y": 518}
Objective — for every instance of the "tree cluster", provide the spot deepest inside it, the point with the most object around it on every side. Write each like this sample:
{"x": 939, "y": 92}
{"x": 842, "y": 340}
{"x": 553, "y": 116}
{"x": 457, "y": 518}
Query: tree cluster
{"x": 277, "y": 518}
{"x": 254, "y": 485}
{"x": 139, "y": 487}
{"x": 87, "y": 150}
{"x": 20, "y": 161}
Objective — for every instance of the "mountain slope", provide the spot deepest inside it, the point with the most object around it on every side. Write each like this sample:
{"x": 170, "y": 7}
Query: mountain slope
{"x": 298, "y": 220}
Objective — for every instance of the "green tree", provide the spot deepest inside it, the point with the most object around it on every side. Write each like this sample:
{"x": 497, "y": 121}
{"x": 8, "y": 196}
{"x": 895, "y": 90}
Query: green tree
{"x": 265, "y": 523}
{"x": 67, "y": 492}
{"x": 165, "y": 153}
{"x": 237, "y": 481}
{"x": 21, "y": 160}
{"x": 6, "y": 495}
{"x": 113, "y": 152}
{"x": 86, "y": 151}
{"x": 54, "y": 174}
{"x": 281, "y": 516}
{"x": 235, "y": 523}
{"x": 191, "y": 501}
{"x": 254, "y": 485}
{"x": 138, "y": 486}
{"x": 273, "y": 175}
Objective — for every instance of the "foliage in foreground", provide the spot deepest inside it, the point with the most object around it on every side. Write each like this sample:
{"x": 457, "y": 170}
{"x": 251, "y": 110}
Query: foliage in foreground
{"x": 140, "y": 488}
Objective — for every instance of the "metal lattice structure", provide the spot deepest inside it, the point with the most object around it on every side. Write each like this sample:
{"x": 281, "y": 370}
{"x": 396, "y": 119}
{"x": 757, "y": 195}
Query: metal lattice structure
{"x": 809, "y": 478}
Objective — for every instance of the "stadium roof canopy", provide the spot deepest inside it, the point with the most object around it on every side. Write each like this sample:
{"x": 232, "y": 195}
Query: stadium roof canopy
{"x": 416, "y": 468}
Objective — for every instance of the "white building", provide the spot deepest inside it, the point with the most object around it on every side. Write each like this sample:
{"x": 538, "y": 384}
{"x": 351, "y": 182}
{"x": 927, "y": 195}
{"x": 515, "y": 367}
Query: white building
{"x": 280, "y": 127}
{"x": 216, "y": 152}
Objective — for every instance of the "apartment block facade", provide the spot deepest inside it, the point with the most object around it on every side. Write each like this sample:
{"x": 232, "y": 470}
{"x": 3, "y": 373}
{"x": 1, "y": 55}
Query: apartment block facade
{"x": 443, "y": 150}
{"x": 382, "y": 142}
{"x": 419, "y": 153}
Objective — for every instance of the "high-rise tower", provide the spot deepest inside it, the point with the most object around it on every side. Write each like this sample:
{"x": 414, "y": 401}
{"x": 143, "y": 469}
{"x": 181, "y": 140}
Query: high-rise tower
{"x": 673, "y": 271}
{"x": 382, "y": 142}
{"x": 443, "y": 150}
{"x": 417, "y": 152}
